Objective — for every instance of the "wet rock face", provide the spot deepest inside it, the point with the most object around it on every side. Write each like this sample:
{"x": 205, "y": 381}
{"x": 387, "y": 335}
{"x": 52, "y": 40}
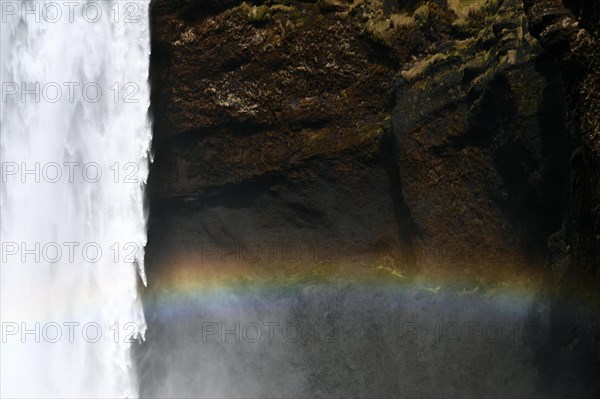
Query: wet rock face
{"x": 422, "y": 132}
{"x": 570, "y": 30}
{"x": 575, "y": 40}
{"x": 268, "y": 125}
{"x": 385, "y": 127}
{"x": 480, "y": 140}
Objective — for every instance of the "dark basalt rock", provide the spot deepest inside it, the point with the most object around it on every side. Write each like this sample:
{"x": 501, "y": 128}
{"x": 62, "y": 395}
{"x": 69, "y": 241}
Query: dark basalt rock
{"x": 408, "y": 131}
{"x": 272, "y": 131}
{"x": 280, "y": 130}
{"x": 480, "y": 141}
{"x": 574, "y": 39}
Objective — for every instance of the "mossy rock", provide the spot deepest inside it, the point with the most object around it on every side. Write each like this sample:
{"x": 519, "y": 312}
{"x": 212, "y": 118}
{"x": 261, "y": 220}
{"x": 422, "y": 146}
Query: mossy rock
{"x": 402, "y": 20}
{"x": 380, "y": 30}
{"x": 283, "y": 8}
{"x": 463, "y": 8}
{"x": 332, "y": 5}
{"x": 258, "y": 14}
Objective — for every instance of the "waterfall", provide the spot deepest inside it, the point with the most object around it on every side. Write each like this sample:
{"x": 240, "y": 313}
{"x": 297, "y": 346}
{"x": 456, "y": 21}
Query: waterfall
{"x": 74, "y": 151}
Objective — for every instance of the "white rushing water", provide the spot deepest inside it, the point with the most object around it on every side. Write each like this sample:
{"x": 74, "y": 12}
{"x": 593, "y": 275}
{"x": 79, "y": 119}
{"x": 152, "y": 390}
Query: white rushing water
{"x": 75, "y": 98}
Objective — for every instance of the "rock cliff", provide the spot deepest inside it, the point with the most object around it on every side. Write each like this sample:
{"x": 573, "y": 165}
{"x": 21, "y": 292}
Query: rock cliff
{"x": 440, "y": 140}
{"x": 570, "y": 30}
{"x": 429, "y": 132}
